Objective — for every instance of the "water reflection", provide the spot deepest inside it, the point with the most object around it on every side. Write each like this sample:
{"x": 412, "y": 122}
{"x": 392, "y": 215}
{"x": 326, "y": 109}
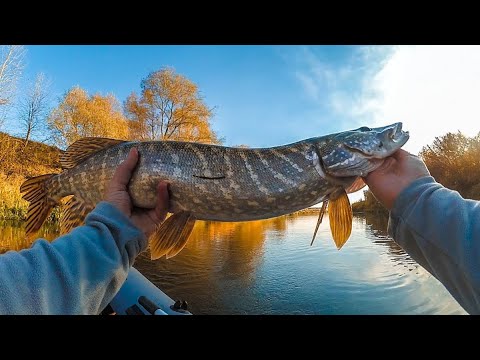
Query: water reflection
{"x": 268, "y": 267}
{"x": 376, "y": 230}
{"x": 12, "y": 235}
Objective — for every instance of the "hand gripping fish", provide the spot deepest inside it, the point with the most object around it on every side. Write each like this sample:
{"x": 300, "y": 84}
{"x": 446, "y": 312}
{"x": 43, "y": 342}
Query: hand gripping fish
{"x": 210, "y": 182}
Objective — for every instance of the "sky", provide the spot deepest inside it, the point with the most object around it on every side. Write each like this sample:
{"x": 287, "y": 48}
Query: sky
{"x": 272, "y": 95}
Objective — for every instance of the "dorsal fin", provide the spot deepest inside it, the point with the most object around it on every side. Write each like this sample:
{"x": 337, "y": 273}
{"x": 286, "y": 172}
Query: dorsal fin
{"x": 81, "y": 149}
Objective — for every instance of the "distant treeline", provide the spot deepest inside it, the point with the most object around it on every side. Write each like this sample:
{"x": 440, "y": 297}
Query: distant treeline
{"x": 369, "y": 204}
{"x": 168, "y": 107}
{"x": 453, "y": 160}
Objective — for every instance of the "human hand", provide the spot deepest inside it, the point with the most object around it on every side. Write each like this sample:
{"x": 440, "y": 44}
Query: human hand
{"x": 395, "y": 174}
{"x": 117, "y": 194}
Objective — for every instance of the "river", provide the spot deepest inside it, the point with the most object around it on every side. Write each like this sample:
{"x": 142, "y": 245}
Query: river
{"x": 268, "y": 267}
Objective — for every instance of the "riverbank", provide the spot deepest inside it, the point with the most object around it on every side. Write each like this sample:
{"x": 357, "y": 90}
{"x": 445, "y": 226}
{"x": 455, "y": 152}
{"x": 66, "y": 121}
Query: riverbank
{"x": 19, "y": 161}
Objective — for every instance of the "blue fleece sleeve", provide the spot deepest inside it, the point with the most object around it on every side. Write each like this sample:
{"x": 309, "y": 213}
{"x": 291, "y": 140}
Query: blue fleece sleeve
{"x": 78, "y": 273}
{"x": 441, "y": 231}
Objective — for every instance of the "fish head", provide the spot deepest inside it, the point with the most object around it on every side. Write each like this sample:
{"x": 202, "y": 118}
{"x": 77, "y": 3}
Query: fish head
{"x": 360, "y": 151}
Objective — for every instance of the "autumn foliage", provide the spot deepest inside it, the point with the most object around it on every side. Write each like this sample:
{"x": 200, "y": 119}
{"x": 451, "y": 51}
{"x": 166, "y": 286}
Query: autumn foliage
{"x": 80, "y": 115}
{"x": 169, "y": 108}
{"x": 454, "y": 161}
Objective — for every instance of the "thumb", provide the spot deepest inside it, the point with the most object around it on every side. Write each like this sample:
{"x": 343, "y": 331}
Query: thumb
{"x": 123, "y": 173}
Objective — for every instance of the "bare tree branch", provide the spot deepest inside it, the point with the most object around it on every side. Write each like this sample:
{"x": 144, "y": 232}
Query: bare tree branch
{"x": 33, "y": 108}
{"x": 11, "y": 66}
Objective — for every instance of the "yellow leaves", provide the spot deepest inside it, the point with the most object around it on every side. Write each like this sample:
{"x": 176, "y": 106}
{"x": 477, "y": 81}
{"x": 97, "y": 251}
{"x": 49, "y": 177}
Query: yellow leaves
{"x": 454, "y": 161}
{"x": 169, "y": 108}
{"x": 80, "y": 115}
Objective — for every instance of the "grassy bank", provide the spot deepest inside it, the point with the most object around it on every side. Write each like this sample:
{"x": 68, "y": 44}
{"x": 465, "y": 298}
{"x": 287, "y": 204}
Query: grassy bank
{"x": 19, "y": 161}
{"x": 12, "y": 206}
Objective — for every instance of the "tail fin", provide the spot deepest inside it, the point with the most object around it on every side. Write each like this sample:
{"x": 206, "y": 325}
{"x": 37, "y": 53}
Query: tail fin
{"x": 36, "y": 192}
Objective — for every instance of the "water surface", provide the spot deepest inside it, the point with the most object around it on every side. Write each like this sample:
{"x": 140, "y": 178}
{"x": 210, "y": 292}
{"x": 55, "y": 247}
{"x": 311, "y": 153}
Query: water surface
{"x": 268, "y": 267}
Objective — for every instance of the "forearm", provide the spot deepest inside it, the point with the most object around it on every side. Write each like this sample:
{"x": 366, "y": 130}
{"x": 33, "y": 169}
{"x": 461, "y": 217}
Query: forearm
{"x": 78, "y": 273}
{"x": 441, "y": 231}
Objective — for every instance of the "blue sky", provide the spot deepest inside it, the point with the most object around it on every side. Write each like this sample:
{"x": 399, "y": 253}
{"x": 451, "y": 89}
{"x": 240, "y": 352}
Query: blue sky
{"x": 261, "y": 93}
{"x": 273, "y": 95}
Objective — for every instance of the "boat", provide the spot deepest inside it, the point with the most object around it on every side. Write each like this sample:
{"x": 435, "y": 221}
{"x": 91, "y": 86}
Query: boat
{"x": 139, "y": 296}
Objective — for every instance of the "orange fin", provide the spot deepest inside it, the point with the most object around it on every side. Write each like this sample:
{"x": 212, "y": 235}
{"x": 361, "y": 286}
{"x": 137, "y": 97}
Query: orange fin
{"x": 36, "y": 192}
{"x": 356, "y": 185}
{"x": 341, "y": 217}
{"x": 172, "y": 235}
{"x": 73, "y": 214}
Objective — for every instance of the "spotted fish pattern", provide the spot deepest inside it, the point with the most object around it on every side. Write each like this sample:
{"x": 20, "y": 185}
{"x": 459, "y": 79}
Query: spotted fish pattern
{"x": 213, "y": 182}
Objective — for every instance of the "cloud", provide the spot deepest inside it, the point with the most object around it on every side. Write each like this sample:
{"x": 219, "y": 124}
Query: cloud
{"x": 338, "y": 88}
{"x": 431, "y": 89}
{"x": 309, "y": 85}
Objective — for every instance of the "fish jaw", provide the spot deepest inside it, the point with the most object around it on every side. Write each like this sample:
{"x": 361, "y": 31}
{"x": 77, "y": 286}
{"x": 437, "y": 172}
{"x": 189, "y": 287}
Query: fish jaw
{"x": 360, "y": 151}
{"x": 379, "y": 142}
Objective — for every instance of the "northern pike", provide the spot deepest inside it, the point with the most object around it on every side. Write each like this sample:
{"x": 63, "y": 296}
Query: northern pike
{"x": 218, "y": 183}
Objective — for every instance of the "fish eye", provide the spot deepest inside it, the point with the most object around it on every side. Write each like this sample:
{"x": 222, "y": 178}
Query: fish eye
{"x": 365, "y": 128}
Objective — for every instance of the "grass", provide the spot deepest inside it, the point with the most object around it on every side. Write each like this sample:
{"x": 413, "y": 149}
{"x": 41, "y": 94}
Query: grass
{"x": 12, "y": 206}
{"x": 17, "y": 163}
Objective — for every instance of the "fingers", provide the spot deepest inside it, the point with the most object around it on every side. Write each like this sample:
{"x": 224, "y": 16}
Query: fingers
{"x": 123, "y": 173}
{"x": 387, "y": 166}
{"x": 161, "y": 209}
{"x": 148, "y": 220}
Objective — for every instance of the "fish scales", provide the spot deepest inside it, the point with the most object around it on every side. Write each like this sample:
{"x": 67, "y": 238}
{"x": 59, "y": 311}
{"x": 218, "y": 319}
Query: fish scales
{"x": 218, "y": 183}
{"x": 213, "y": 182}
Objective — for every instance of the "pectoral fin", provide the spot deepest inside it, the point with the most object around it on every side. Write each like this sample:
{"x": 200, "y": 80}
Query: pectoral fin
{"x": 356, "y": 185}
{"x": 319, "y": 221}
{"x": 74, "y": 213}
{"x": 340, "y": 215}
{"x": 170, "y": 237}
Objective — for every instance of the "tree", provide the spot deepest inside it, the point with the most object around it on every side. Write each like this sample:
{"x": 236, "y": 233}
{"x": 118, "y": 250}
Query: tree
{"x": 11, "y": 66}
{"x": 80, "y": 115}
{"x": 454, "y": 161}
{"x": 368, "y": 204}
{"x": 33, "y": 108}
{"x": 169, "y": 108}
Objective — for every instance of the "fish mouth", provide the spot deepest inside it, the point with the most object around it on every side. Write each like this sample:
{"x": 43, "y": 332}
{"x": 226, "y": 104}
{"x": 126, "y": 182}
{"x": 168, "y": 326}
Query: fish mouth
{"x": 397, "y": 136}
